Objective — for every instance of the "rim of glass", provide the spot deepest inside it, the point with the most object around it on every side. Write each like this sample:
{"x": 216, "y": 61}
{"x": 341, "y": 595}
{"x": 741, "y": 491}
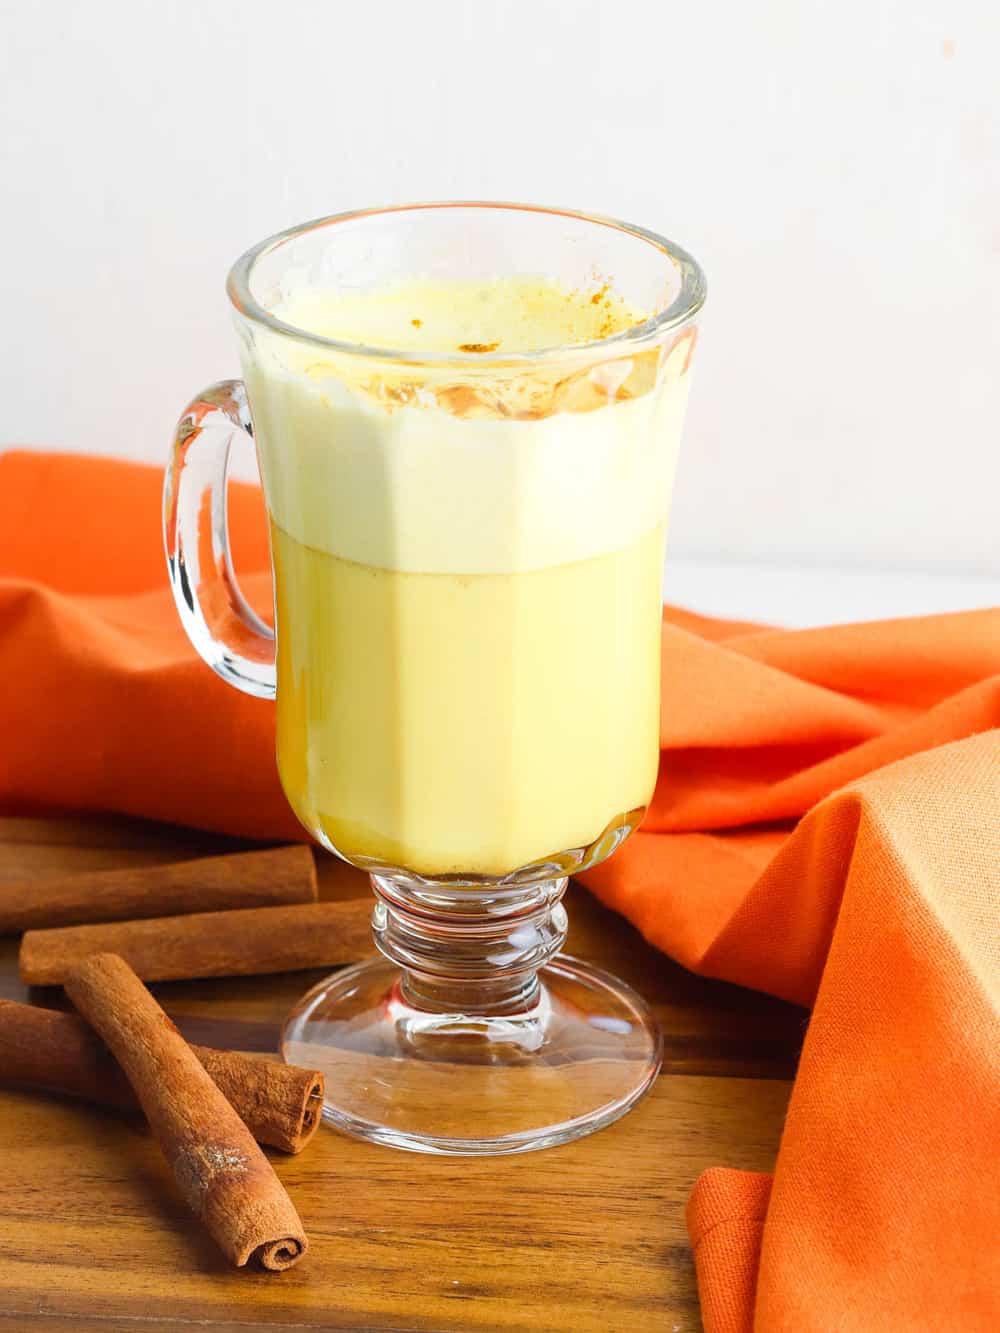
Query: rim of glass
{"x": 687, "y": 302}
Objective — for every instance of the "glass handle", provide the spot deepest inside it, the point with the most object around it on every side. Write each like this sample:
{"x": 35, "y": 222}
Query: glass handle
{"x": 219, "y": 620}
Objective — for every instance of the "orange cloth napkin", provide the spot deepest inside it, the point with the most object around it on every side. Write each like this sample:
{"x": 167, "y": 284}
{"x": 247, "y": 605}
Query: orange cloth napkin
{"x": 105, "y": 705}
{"x": 881, "y": 909}
{"x": 884, "y": 1210}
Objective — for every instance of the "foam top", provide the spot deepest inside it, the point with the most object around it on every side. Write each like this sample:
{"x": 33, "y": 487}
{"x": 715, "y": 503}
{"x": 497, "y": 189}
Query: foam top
{"x": 511, "y": 314}
{"x": 475, "y": 472}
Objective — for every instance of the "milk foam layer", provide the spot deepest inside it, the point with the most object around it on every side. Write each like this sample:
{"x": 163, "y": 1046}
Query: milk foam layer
{"x": 511, "y": 314}
{"x": 469, "y": 469}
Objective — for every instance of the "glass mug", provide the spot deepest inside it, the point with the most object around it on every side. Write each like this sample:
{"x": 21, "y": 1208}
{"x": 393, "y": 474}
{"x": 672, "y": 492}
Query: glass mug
{"x": 467, "y": 541}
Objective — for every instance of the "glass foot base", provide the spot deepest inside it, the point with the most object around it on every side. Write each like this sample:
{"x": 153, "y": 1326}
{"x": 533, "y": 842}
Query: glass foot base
{"x": 573, "y": 1058}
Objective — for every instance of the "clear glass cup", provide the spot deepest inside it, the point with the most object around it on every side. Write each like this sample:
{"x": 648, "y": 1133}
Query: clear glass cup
{"x": 467, "y": 547}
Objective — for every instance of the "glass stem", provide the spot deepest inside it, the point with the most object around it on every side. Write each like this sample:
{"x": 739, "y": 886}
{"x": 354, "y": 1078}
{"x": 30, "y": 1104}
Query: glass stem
{"x": 468, "y": 951}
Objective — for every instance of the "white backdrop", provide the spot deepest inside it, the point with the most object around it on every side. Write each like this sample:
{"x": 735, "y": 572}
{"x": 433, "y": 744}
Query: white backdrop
{"x": 835, "y": 166}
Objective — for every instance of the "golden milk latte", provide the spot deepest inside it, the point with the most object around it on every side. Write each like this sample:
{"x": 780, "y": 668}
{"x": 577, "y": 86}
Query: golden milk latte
{"x": 467, "y": 570}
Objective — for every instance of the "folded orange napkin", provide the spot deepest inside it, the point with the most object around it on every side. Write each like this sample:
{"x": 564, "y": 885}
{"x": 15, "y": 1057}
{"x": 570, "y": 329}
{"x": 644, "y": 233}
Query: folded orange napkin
{"x": 881, "y": 908}
{"x": 105, "y": 705}
{"x": 884, "y": 1211}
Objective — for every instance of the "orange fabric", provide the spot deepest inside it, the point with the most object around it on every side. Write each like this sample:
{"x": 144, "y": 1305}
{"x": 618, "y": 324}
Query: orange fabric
{"x": 725, "y": 1220}
{"x": 880, "y": 909}
{"x": 884, "y": 1211}
{"x": 104, "y": 704}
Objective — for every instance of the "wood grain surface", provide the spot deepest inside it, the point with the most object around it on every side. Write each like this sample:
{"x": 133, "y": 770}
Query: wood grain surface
{"x": 589, "y": 1236}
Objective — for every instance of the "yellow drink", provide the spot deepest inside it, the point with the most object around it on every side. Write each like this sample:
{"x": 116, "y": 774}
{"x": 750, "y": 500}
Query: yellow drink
{"x": 467, "y": 565}
{"x": 466, "y": 723}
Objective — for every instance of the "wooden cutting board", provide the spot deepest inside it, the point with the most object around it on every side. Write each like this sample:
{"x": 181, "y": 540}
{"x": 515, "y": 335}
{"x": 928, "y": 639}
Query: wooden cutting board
{"x": 589, "y": 1236}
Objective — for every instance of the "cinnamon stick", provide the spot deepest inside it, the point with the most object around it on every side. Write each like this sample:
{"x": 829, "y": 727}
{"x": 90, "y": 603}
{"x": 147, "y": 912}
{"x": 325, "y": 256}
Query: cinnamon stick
{"x": 242, "y": 879}
{"x": 208, "y": 944}
{"x": 280, "y": 1104}
{"x": 222, "y": 1174}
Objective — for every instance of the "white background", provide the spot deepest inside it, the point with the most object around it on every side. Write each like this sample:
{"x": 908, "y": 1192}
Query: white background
{"x": 835, "y": 166}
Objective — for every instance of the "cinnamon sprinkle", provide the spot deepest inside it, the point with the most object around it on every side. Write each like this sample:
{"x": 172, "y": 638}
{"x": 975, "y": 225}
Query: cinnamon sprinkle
{"x": 478, "y": 347}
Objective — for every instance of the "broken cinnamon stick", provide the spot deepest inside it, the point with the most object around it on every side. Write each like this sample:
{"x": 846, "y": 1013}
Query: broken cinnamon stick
{"x": 280, "y": 1104}
{"x": 208, "y": 944}
{"x": 222, "y": 1174}
{"x": 240, "y": 880}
